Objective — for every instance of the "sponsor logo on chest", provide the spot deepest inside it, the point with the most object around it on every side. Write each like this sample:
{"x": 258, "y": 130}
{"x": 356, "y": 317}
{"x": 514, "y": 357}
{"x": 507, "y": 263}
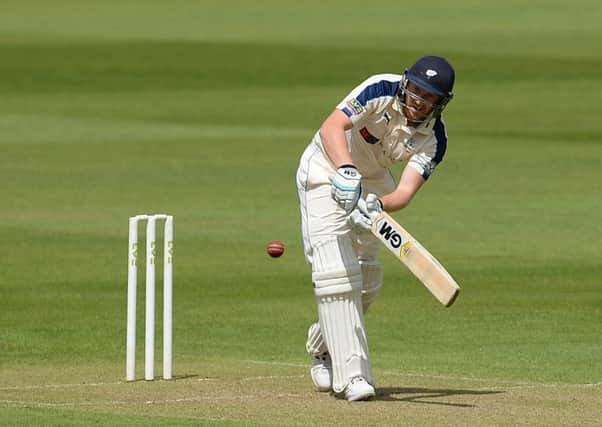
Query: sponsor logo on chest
{"x": 368, "y": 137}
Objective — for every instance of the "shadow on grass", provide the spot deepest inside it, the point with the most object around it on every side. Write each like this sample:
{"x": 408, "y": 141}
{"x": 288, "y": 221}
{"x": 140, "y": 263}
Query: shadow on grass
{"x": 186, "y": 377}
{"x": 425, "y": 395}
{"x": 174, "y": 378}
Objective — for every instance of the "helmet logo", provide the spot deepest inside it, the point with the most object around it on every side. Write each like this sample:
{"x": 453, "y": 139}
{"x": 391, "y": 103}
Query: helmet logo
{"x": 431, "y": 73}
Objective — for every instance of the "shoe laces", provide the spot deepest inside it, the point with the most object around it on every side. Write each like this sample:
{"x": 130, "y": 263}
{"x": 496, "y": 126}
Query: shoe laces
{"x": 323, "y": 358}
{"x": 358, "y": 379}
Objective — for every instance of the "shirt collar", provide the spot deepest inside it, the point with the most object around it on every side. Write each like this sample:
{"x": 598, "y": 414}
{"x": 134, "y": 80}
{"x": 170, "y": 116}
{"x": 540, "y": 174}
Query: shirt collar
{"x": 424, "y": 129}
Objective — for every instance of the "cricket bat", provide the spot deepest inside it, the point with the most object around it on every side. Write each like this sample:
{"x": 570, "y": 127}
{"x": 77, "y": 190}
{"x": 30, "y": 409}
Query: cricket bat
{"x": 418, "y": 260}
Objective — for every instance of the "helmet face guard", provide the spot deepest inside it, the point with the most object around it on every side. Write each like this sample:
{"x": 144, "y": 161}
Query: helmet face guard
{"x": 432, "y": 74}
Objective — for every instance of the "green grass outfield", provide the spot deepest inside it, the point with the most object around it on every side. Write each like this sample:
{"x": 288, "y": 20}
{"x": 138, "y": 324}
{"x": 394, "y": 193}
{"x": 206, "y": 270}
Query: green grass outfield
{"x": 201, "y": 110}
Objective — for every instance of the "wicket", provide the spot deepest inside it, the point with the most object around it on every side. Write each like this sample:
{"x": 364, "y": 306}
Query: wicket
{"x": 149, "y": 357}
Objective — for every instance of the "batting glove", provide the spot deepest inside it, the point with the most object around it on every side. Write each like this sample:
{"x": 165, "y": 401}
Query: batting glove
{"x": 372, "y": 207}
{"x": 346, "y": 187}
{"x": 366, "y": 213}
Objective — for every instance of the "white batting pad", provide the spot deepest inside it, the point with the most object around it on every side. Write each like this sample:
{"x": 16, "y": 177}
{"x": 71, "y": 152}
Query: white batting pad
{"x": 335, "y": 266}
{"x": 338, "y": 282}
{"x": 315, "y": 344}
{"x": 342, "y": 323}
{"x": 372, "y": 281}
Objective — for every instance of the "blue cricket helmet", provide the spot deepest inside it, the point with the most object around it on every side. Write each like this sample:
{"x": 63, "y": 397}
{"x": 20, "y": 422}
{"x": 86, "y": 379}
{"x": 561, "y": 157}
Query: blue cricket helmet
{"x": 434, "y": 74}
{"x": 431, "y": 73}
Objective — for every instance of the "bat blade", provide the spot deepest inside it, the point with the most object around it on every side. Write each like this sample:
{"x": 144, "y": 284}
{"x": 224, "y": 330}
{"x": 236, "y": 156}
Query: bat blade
{"x": 418, "y": 260}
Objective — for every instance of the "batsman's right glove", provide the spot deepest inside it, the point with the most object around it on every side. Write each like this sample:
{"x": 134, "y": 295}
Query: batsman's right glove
{"x": 366, "y": 212}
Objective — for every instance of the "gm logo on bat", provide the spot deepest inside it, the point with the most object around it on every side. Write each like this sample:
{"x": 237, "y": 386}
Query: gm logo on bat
{"x": 391, "y": 237}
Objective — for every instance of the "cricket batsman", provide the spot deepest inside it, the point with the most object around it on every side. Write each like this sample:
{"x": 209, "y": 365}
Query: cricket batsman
{"x": 388, "y": 118}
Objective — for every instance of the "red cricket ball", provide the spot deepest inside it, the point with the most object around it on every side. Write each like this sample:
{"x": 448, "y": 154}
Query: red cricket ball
{"x": 275, "y": 248}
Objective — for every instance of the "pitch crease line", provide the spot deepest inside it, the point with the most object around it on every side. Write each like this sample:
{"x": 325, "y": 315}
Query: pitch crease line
{"x": 513, "y": 384}
{"x": 271, "y": 377}
{"x": 44, "y": 386}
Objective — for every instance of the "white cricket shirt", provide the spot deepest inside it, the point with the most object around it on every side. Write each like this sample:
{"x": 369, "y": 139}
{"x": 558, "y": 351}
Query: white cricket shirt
{"x": 380, "y": 136}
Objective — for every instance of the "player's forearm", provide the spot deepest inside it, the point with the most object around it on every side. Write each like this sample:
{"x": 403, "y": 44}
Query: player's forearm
{"x": 396, "y": 201}
{"x": 409, "y": 184}
{"x": 335, "y": 145}
{"x": 334, "y": 141}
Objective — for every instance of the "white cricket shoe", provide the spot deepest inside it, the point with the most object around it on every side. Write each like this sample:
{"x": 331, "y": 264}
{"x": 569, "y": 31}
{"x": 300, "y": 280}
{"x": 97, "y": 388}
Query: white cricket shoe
{"x": 359, "y": 389}
{"x": 321, "y": 372}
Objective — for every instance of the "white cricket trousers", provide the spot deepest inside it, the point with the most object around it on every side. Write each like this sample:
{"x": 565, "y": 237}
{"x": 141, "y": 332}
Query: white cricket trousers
{"x": 321, "y": 217}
